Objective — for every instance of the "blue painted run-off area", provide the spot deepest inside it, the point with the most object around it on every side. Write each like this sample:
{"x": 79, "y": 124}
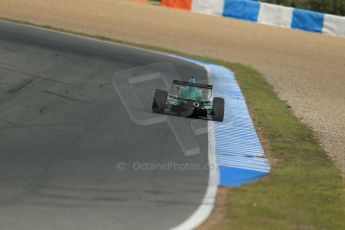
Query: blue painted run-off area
{"x": 240, "y": 155}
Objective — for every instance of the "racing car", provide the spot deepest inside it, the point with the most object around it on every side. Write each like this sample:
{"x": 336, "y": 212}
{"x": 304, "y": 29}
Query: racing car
{"x": 189, "y": 99}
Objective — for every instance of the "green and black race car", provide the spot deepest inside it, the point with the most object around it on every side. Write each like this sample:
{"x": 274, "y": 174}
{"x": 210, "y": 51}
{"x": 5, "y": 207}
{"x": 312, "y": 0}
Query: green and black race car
{"x": 189, "y": 99}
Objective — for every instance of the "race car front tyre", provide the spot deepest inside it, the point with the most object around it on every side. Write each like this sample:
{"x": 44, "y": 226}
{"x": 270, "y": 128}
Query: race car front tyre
{"x": 218, "y": 109}
{"x": 159, "y": 101}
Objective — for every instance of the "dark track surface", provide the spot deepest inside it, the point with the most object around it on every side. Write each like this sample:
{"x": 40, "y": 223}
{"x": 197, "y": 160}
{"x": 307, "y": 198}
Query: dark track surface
{"x": 63, "y": 130}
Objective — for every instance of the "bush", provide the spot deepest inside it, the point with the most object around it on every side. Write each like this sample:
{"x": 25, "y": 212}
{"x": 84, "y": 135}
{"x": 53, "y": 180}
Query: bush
{"x": 325, "y": 6}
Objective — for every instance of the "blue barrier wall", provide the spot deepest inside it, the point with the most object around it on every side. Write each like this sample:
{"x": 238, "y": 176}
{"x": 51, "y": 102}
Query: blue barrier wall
{"x": 242, "y": 9}
{"x": 307, "y": 20}
{"x": 249, "y": 11}
{"x": 271, "y": 14}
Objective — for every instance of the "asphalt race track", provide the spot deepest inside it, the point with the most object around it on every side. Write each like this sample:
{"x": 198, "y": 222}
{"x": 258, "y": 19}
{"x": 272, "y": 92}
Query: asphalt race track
{"x": 64, "y": 130}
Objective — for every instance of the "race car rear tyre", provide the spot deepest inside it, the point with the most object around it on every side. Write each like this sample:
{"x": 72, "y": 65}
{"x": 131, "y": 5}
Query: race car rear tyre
{"x": 159, "y": 101}
{"x": 218, "y": 109}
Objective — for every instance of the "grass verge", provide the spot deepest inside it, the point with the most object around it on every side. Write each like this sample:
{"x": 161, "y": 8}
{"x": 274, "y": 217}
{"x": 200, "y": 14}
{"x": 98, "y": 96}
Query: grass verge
{"x": 304, "y": 190}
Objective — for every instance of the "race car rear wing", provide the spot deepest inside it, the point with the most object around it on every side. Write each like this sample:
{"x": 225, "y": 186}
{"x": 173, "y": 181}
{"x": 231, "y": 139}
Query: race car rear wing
{"x": 197, "y": 85}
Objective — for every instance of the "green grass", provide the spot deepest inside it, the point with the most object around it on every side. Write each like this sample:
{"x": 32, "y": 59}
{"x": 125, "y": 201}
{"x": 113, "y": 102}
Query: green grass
{"x": 304, "y": 190}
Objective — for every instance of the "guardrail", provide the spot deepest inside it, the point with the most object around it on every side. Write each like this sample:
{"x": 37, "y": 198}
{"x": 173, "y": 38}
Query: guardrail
{"x": 265, "y": 13}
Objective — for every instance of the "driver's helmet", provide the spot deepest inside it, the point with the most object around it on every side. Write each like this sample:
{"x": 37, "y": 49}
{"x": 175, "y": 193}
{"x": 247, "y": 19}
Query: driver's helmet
{"x": 192, "y": 80}
{"x": 191, "y": 92}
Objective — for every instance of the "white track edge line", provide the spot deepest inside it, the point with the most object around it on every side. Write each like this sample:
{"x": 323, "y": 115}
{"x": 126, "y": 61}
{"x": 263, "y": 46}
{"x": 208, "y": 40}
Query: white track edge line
{"x": 207, "y": 205}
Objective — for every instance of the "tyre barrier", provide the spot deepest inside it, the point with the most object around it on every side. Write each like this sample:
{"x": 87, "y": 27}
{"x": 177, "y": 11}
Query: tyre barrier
{"x": 265, "y": 13}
